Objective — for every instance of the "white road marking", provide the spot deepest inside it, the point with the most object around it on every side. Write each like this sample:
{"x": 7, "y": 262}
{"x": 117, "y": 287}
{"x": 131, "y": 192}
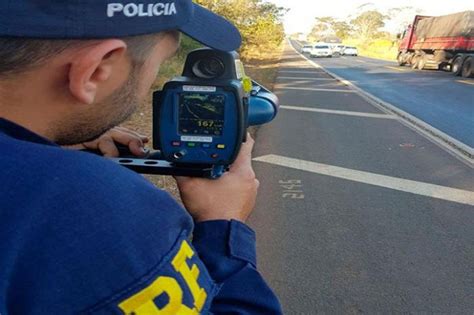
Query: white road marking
{"x": 302, "y": 72}
{"x": 466, "y": 82}
{"x": 303, "y": 78}
{"x": 345, "y": 82}
{"x": 397, "y": 69}
{"x": 399, "y": 184}
{"x": 458, "y": 149}
{"x": 313, "y": 89}
{"x": 338, "y": 112}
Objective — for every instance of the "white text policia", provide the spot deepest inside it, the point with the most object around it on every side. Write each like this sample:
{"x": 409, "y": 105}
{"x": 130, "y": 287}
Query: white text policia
{"x": 141, "y": 10}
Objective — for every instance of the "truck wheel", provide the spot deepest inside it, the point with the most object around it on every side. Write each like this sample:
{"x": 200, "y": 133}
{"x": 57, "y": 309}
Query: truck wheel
{"x": 456, "y": 67}
{"x": 421, "y": 63}
{"x": 400, "y": 59}
{"x": 467, "y": 68}
{"x": 414, "y": 62}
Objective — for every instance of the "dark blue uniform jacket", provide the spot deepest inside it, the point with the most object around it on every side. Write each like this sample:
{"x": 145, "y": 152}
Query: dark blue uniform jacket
{"x": 82, "y": 235}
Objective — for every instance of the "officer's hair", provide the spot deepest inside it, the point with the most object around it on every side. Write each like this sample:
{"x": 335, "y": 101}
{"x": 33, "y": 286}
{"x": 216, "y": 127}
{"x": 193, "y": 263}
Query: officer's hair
{"x": 18, "y": 55}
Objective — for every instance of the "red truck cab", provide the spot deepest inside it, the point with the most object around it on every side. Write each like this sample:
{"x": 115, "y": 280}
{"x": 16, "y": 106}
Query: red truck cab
{"x": 409, "y": 36}
{"x": 440, "y": 43}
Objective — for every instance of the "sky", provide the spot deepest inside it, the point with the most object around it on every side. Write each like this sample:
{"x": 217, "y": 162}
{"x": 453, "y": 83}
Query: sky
{"x": 302, "y": 13}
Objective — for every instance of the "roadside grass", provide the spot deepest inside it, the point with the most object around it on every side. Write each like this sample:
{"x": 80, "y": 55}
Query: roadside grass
{"x": 379, "y": 49}
{"x": 260, "y": 66}
{"x": 263, "y": 66}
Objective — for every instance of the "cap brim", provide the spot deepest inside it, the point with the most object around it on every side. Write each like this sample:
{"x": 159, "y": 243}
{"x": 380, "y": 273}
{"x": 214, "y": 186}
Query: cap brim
{"x": 212, "y": 30}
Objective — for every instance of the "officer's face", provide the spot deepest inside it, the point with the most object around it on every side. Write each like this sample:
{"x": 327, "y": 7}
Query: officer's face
{"x": 87, "y": 125}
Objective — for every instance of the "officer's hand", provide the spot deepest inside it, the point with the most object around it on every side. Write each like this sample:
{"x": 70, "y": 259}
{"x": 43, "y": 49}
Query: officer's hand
{"x": 232, "y": 197}
{"x": 107, "y": 143}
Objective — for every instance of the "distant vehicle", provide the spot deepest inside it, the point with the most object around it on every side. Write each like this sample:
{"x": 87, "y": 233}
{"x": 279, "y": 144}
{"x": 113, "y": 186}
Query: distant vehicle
{"x": 337, "y": 49}
{"x": 350, "y": 51}
{"x": 307, "y": 49}
{"x": 440, "y": 43}
{"x": 321, "y": 51}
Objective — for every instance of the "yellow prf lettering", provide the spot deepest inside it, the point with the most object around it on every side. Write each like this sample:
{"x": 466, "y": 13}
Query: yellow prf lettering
{"x": 143, "y": 303}
{"x": 190, "y": 275}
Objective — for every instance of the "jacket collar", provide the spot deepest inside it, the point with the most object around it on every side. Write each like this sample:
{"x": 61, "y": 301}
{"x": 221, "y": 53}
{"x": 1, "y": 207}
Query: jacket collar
{"x": 18, "y": 132}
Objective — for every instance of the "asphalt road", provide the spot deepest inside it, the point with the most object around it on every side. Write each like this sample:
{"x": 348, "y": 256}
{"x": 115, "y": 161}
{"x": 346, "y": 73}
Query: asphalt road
{"x": 436, "y": 97}
{"x": 358, "y": 213}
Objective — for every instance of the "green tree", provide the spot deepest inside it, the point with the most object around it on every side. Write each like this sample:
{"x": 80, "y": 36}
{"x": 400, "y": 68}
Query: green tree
{"x": 322, "y": 28}
{"x": 401, "y": 17}
{"x": 368, "y": 24}
{"x": 258, "y": 21}
{"x": 342, "y": 29}
{"x": 328, "y": 26}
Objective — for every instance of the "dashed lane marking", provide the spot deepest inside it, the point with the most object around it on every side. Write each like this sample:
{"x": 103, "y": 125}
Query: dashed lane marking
{"x": 399, "y": 184}
{"x": 301, "y": 72}
{"x": 310, "y": 79}
{"x": 397, "y": 69}
{"x": 338, "y": 112}
{"x": 466, "y": 82}
{"x": 313, "y": 89}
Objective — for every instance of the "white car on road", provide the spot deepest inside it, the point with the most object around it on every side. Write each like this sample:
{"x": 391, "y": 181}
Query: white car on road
{"x": 337, "y": 49}
{"x": 307, "y": 49}
{"x": 321, "y": 51}
{"x": 350, "y": 51}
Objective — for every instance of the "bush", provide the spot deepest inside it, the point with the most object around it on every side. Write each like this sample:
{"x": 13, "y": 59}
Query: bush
{"x": 258, "y": 21}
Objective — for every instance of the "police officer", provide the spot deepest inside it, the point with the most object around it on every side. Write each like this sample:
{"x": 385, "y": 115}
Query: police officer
{"x": 79, "y": 234}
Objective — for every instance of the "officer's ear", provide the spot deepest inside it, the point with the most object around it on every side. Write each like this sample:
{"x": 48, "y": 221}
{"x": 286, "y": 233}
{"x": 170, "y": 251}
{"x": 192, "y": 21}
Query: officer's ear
{"x": 98, "y": 69}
